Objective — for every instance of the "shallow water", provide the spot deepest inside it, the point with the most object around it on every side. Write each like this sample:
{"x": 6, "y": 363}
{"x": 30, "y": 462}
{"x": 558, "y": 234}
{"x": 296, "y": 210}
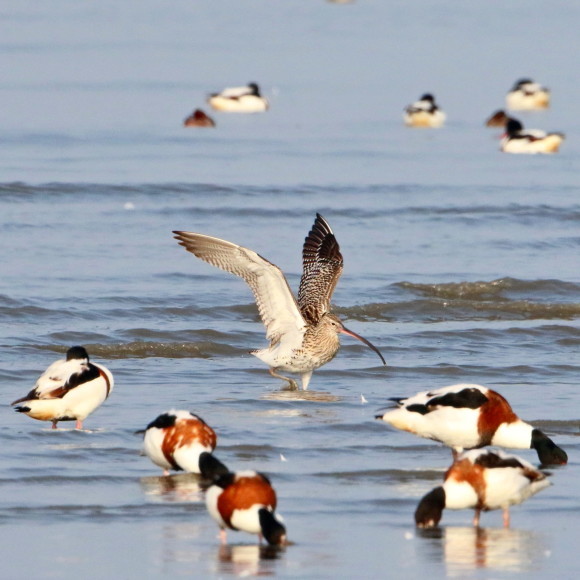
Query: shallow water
{"x": 460, "y": 265}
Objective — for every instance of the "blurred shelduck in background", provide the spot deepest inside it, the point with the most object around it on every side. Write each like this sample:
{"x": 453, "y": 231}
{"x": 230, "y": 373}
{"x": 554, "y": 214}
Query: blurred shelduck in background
{"x": 520, "y": 140}
{"x": 528, "y": 95}
{"x": 198, "y": 119}
{"x": 424, "y": 113}
{"x": 239, "y": 100}
{"x": 497, "y": 119}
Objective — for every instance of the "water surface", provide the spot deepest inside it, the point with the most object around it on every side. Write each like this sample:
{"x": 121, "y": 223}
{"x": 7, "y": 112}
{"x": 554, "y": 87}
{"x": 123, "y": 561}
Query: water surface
{"x": 460, "y": 265}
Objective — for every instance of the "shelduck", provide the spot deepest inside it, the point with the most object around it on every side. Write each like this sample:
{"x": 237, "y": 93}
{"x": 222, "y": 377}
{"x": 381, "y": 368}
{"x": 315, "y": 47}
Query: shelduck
{"x": 246, "y": 501}
{"x": 497, "y": 119}
{"x": 483, "y": 480}
{"x": 528, "y": 95}
{"x": 198, "y": 119}
{"x": 182, "y": 441}
{"x": 424, "y": 113}
{"x": 69, "y": 390}
{"x": 239, "y": 100}
{"x": 520, "y": 140}
{"x": 469, "y": 416}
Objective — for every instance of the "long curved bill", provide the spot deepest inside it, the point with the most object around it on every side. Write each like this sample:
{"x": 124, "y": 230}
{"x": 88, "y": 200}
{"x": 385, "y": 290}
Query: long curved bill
{"x": 367, "y": 342}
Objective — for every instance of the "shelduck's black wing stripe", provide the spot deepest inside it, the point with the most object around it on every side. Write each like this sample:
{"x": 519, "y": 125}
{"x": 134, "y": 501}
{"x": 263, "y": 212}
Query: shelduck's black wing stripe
{"x": 465, "y": 399}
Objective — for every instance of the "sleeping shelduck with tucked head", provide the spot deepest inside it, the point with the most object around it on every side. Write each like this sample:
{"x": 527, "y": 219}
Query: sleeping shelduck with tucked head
{"x": 520, "y": 140}
{"x": 483, "y": 480}
{"x": 69, "y": 390}
{"x": 528, "y": 95}
{"x": 468, "y": 417}
{"x": 246, "y": 501}
{"x": 182, "y": 441}
{"x": 424, "y": 113}
{"x": 239, "y": 100}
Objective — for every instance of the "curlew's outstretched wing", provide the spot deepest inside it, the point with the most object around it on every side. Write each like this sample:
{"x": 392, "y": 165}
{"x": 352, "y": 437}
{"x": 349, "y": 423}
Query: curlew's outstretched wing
{"x": 322, "y": 267}
{"x": 275, "y": 301}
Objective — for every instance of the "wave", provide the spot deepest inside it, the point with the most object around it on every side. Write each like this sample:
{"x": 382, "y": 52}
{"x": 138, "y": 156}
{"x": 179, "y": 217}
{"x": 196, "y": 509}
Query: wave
{"x": 152, "y": 349}
{"x": 494, "y": 289}
{"x": 439, "y": 310}
{"x": 464, "y": 209}
{"x": 501, "y": 299}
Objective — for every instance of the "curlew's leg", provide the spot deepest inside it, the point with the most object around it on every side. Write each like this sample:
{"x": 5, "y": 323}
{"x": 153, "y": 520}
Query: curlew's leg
{"x": 79, "y": 424}
{"x": 506, "y": 517}
{"x": 306, "y": 380}
{"x": 54, "y": 424}
{"x": 476, "y": 518}
{"x": 223, "y": 536}
{"x": 292, "y": 383}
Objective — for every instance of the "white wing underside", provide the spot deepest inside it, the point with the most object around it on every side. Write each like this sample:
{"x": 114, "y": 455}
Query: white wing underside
{"x": 420, "y": 106}
{"x": 55, "y": 377}
{"x": 234, "y": 92}
{"x": 534, "y": 133}
{"x": 276, "y": 304}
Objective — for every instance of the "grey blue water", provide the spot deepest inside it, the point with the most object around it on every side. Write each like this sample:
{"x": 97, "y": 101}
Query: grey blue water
{"x": 461, "y": 265}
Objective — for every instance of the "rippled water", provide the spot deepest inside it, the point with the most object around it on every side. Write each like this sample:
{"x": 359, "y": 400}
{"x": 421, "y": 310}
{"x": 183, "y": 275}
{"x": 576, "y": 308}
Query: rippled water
{"x": 461, "y": 265}
{"x": 97, "y": 265}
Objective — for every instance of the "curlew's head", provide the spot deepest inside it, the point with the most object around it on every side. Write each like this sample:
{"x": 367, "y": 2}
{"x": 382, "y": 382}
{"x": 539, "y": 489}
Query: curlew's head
{"x": 338, "y": 326}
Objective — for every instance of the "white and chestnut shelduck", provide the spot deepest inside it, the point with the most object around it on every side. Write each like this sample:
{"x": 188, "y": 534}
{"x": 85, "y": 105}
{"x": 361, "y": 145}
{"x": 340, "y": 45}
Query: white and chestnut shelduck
{"x": 482, "y": 480}
{"x": 527, "y": 95}
{"x": 424, "y": 113}
{"x": 182, "y": 441}
{"x": 520, "y": 140}
{"x": 239, "y": 100}
{"x": 246, "y": 501}
{"x": 69, "y": 390}
{"x": 467, "y": 417}
{"x": 303, "y": 334}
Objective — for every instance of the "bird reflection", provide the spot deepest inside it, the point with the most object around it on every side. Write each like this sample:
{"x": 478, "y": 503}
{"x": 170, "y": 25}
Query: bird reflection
{"x": 317, "y": 396}
{"x": 249, "y": 560}
{"x": 469, "y": 548}
{"x": 187, "y": 487}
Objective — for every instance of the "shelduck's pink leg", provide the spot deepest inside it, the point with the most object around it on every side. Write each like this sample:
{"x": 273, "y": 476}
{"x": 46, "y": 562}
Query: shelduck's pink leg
{"x": 79, "y": 424}
{"x": 54, "y": 424}
{"x": 476, "y": 518}
{"x": 506, "y": 517}
{"x": 223, "y": 536}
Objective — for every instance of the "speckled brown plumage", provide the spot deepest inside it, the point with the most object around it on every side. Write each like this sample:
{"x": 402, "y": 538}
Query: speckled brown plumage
{"x": 303, "y": 333}
{"x": 322, "y": 266}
